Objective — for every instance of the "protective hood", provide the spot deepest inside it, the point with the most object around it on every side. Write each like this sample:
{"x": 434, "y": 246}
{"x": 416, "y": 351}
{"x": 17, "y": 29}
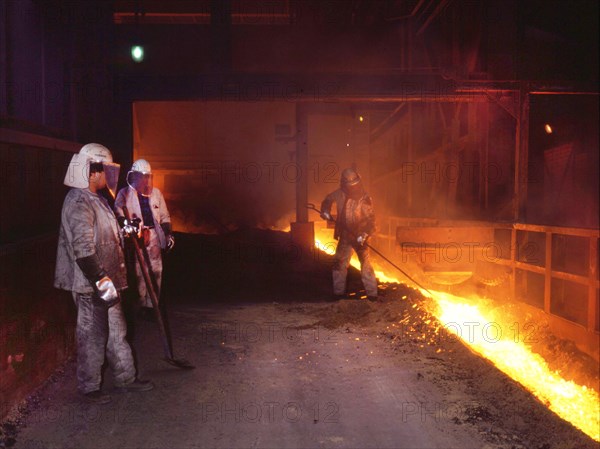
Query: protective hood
{"x": 354, "y": 191}
{"x": 349, "y": 177}
{"x": 351, "y": 183}
{"x": 78, "y": 172}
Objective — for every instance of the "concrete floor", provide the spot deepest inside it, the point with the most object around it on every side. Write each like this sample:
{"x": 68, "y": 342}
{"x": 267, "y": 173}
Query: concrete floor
{"x": 278, "y": 365}
{"x": 262, "y": 382}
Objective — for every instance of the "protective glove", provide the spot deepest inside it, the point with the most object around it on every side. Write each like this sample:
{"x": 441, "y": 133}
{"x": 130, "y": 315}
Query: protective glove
{"x": 107, "y": 291}
{"x": 170, "y": 242}
{"x": 168, "y": 231}
{"x": 362, "y": 239}
{"x": 326, "y": 216}
{"x": 130, "y": 227}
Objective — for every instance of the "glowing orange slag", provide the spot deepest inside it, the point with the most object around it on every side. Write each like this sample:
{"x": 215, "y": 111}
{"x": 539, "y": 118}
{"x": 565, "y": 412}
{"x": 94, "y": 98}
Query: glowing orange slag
{"x": 488, "y": 336}
{"x": 324, "y": 235}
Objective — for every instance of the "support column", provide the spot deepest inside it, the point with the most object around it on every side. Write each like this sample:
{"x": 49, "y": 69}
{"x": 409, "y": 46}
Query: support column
{"x": 513, "y": 258}
{"x": 548, "y": 273}
{"x": 410, "y": 157}
{"x": 521, "y": 158}
{"x": 592, "y": 276}
{"x": 302, "y": 231}
{"x": 482, "y": 142}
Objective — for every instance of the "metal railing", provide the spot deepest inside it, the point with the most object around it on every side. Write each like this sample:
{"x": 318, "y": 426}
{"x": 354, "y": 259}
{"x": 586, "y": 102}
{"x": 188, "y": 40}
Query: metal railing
{"x": 518, "y": 263}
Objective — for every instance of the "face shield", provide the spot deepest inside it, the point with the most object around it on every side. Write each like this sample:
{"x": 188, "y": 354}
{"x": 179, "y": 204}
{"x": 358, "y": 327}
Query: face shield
{"x": 111, "y": 173}
{"x": 78, "y": 173}
{"x": 354, "y": 191}
{"x": 351, "y": 183}
{"x": 140, "y": 182}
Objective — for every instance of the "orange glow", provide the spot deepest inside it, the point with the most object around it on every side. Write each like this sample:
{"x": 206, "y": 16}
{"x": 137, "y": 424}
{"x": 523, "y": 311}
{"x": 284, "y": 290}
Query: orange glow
{"x": 548, "y": 128}
{"x": 574, "y": 403}
{"x": 325, "y": 242}
{"x": 489, "y": 335}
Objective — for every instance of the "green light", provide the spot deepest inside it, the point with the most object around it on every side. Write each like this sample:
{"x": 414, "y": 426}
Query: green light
{"x": 137, "y": 53}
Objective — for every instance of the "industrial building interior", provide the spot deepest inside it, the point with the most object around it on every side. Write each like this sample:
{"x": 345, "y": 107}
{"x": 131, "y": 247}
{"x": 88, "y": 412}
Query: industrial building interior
{"x": 474, "y": 128}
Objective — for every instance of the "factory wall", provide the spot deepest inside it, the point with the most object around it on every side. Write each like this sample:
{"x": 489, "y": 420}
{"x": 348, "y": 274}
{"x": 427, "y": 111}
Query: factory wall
{"x": 55, "y": 92}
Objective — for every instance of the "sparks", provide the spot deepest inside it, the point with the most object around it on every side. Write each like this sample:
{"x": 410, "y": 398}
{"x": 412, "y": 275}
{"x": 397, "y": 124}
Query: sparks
{"x": 574, "y": 403}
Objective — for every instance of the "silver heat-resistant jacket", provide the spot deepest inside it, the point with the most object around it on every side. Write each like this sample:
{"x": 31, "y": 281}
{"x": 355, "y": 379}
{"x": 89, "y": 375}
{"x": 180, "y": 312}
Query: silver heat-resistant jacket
{"x": 354, "y": 216}
{"x": 88, "y": 226}
{"x": 128, "y": 197}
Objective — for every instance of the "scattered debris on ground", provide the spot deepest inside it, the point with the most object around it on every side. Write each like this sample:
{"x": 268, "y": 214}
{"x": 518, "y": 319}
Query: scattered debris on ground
{"x": 214, "y": 283}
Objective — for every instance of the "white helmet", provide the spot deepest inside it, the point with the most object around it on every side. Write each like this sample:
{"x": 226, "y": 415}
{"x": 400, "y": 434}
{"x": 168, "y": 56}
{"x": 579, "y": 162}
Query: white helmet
{"x": 142, "y": 166}
{"x": 96, "y": 152}
{"x": 139, "y": 177}
{"x": 78, "y": 173}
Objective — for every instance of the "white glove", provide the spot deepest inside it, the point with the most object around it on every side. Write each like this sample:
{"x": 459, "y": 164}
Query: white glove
{"x": 170, "y": 242}
{"x": 130, "y": 227}
{"x": 107, "y": 291}
{"x": 362, "y": 239}
{"x": 326, "y": 216}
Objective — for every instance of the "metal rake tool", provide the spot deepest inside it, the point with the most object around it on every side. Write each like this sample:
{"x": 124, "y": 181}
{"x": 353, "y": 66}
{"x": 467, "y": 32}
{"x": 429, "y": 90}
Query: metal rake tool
{"x": 375, "y": 250}
{"x": 142, "y": 256}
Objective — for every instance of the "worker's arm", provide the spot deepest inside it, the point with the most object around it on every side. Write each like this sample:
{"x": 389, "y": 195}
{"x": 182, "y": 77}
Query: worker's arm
{"x": 120, "y": 203}
{"x": 80, "y": 220}
{"x": 165, "y": 221}
{"x": 326, "y": 206}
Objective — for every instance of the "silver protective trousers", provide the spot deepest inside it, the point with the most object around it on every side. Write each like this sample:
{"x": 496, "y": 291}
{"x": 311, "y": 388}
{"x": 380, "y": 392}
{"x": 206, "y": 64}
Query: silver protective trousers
{"x": 101, "y": 331}
{"x": 341, "y": 260}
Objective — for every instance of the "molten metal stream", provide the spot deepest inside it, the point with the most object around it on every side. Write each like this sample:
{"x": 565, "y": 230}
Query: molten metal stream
{"x": 574, "y": 403}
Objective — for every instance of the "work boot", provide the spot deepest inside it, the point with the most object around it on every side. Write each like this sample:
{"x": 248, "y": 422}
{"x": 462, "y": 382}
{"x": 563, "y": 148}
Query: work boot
{"x": 96, "y": 397}
{"x": 136, "y": 385}
{"x": 336, "y": 297}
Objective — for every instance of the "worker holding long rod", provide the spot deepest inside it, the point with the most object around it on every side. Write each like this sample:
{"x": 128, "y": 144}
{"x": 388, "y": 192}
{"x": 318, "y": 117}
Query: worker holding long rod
{"x": 376, "y": 251}
{"x": 131, "y": 229}
{"x": 354, "y": 224}
{"x": 90, "y": 264}
{"x": 146, "y": 203}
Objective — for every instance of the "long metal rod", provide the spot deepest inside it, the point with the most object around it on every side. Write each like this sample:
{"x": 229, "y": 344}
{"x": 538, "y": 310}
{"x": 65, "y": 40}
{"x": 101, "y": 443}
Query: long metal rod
{"x": 150, "y": 288}
{"x": 312, "y": 206}
{"x": 141, "y": 255}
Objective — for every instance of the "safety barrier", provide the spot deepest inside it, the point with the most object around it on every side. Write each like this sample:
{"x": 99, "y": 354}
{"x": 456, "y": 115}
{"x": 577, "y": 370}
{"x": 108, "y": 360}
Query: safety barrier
{"x": 552, "y": 268}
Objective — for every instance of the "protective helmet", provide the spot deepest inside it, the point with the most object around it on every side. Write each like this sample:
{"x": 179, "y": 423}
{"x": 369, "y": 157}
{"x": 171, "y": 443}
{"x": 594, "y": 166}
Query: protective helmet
{"x": 139, "y": 177}
{"x": 96, "y": 152}
{"x": 350, "y": 177}
{"x": 142, "y": 166}
{"x": 78, "y": 173}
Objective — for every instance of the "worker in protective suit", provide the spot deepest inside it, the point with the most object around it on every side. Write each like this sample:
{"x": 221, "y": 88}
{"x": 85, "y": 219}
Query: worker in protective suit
{"x": 146, "y": 203}
{"x": 354, "y": 224}
{"x": 90, "y": 264}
